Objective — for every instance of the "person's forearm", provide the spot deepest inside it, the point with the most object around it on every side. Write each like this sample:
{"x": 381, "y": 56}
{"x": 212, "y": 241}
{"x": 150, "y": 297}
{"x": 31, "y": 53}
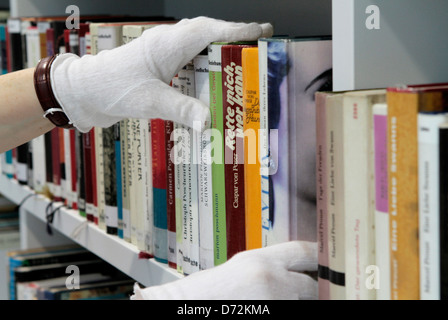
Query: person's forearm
{"x": 21, "y": 115}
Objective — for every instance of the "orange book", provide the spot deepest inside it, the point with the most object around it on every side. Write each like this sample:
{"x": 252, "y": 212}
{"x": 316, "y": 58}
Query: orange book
{"x": 251, "y": 158}
{"x": 404, "y": 104}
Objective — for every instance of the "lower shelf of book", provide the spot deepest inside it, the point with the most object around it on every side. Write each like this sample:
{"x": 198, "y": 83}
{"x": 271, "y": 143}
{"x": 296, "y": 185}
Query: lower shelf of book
{"x": 119, "y": 253}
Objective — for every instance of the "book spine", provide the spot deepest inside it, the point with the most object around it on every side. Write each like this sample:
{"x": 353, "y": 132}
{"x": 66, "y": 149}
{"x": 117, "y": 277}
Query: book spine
{"x": 146, "y": 216}
{"x": 178, "y": 172}
{"x": 232, "y": 92}
{"x": 159, "y": 189}
{"x": 80, "y": 181}
{"x": 403, "y": 194}
{"x": 358, "y": 179}
{"x": 266, "y": 225}
{"x": 95, "y": 213}
{"x": 251, "y": 124}
{"x": 321, "y": 197}
{"x": 185, "y": 180}
{"x": 335, "y": 197}
{"x": 170, "y": 195}
{"x": 56, "y": 170}
{"x": 118, "y": 177}
{"x": 125, "y": 149}
{"x": 218, "y": 176}
{"x": 443, "y": 209}
{"x": 110, "y": 183}
{"x": 100, "y": 212}
{"x": 202, "y": 85}
{"x": 88, "y": 183}
{"x": 193, "y": 178}
{"x": 382, "y": 245}
{"x": 428, "y": 183}
{"x": 68, "y": 169}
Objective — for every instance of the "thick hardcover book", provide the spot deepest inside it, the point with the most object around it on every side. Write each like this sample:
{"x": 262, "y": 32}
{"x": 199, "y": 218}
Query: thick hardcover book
{"x": 232, "y": 100}
{"x": 359, "y": 188}
{"x": 404, "y": 104}
{"x": 382, "y": 246}
{"x": 428, "y": 192}
{"x": 251, "y": 125}
{"x": 159, "y": 189}
{"x": 218, "y": 176}
{"x": 443, "y": 207}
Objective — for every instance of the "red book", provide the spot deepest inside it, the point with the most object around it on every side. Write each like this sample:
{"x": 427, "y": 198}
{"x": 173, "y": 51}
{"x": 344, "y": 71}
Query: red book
{"x": 232, "y": 98}
{"x": 170, "y": 196}
{"x": 159, "y": 189}
{"x": 56, "y": 163}
{"x": 88, "y": 183}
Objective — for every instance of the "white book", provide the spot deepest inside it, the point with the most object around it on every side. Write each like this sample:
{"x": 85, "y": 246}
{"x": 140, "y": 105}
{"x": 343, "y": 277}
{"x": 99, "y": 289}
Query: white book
{"x": 206, "y": 255}
{"x": 193, "y": 178}
{"x": 428, "y": 185}
{"x": 335, "y": 198}
{"x": 358, "y": 191}
{"x": 382, "y": 243}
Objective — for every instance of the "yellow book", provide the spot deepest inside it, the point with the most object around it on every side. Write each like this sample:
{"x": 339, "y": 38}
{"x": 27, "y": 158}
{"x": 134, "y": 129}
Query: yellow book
{"x": 404, "y": 104}
{"x": 251, "y": 158}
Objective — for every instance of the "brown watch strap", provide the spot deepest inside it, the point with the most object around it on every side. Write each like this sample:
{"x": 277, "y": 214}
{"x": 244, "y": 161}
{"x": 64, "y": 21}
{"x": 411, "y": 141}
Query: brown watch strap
{"x": 52, "y": 110}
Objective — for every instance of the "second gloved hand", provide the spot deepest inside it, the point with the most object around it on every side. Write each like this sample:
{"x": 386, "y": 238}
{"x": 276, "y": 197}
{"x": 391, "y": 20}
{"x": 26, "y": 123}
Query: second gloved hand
{"x": 277, "y": 272}
{"x": 132, "y": 81}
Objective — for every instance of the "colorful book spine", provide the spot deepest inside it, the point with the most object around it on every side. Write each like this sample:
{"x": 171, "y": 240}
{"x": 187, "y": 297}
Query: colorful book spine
{"x": 118, "y": 178}
{"x": 218, "y": 176}
{"x": 159, "y": 183}
{"x": 170, "y": 195}
{"x": 251, "y": 125}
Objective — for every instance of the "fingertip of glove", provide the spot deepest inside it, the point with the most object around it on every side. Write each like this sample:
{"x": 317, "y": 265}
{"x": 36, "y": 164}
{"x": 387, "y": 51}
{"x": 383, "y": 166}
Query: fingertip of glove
{"x": 267, "y": 30}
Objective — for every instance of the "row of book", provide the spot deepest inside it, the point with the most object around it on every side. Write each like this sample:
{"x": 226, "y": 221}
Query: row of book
{"x": 191, "y": 199}
{"x": 64, "y": 273}
{"x": 382, "y": 200}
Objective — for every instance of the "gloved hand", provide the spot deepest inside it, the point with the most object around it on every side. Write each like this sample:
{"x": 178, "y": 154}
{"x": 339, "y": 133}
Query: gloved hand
{"x": 272, "y": 273}
{"x": 132, "y": 81}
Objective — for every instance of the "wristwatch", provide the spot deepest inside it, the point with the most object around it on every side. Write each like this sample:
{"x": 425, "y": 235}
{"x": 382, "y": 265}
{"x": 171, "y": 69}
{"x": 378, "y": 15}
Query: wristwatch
{"x": 52, "y": 110}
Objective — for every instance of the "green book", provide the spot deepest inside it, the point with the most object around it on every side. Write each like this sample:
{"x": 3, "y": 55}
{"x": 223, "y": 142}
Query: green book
{"x": 218, "y": 178}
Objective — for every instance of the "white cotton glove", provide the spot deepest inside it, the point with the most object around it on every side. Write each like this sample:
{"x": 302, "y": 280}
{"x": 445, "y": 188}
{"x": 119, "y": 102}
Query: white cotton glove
{"x": 132, "y": 81}
{"x": 272, "y": 273}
